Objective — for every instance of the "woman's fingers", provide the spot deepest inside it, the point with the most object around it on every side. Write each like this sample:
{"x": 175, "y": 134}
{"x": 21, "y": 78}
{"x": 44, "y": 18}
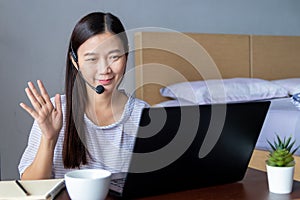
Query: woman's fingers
{"x": 32, "y": 112}
{"x": 44, "y": 95}
{"x": 40, "y": 100}
{"x": 58, "y": 103}
{"x": 38, "y": 97}
{"x": 42, "y": 110}
{"x": 34, "y": 102}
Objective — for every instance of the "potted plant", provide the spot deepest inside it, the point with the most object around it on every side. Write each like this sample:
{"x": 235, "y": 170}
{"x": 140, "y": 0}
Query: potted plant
{"x": 280, "y": 165}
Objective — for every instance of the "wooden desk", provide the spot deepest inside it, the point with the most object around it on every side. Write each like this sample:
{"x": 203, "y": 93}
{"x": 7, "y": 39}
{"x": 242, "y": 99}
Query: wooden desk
{"x": 253, "y": 186}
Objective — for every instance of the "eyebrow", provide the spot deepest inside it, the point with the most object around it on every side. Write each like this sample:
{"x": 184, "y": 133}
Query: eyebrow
{"x": 114, "y": 51}
{"x": 89, "y": 54}
{"x": 110, "y": 52}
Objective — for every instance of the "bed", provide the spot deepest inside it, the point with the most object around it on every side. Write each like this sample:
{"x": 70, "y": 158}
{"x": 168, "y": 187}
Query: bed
{"x": 165, "y": 61}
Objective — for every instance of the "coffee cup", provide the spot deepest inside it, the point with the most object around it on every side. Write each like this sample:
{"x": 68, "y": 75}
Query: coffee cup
{"x": 88, "y": 184}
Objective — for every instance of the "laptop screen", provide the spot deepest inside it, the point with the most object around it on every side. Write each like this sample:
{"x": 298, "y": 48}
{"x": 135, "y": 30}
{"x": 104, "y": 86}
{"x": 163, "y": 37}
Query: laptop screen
{"x": 188, "y": 147}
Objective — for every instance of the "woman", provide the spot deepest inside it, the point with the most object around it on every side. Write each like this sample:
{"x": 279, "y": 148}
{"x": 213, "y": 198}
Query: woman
{"x": 84, "y": 128}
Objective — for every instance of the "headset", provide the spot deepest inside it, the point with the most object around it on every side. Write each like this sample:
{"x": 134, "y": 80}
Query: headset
{"x": 99, "y": 89}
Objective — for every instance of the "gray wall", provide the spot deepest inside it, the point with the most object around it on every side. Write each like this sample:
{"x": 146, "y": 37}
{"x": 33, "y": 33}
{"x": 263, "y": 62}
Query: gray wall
{"x": 34, "y": 35}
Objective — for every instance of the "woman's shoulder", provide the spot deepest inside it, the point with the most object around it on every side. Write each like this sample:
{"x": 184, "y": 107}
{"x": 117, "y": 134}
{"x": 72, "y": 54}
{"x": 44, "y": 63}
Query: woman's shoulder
{"x": 62, "y": 98}
{"x": 139, "y": 103}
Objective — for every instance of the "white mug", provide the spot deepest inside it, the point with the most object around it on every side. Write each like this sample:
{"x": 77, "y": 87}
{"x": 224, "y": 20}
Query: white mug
{"x": 88, "y": 184}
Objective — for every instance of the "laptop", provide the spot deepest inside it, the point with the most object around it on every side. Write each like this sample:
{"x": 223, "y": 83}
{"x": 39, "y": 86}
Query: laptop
{"x": 189, "y": 147}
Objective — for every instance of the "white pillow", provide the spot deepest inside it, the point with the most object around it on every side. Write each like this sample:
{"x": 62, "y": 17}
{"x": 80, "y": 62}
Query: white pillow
{"x": 224, "y": 90}
{"x": 291, "y": 84}
{"x": 174, "y": 102}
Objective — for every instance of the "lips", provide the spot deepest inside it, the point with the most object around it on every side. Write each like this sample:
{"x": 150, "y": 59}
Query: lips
{"x": 105, "y": 81}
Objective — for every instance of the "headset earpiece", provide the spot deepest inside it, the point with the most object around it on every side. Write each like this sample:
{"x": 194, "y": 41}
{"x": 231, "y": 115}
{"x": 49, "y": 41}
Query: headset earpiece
{"x": 74, "y": 54}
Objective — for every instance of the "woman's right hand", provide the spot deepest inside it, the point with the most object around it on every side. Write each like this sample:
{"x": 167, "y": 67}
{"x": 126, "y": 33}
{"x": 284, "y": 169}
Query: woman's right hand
{"x": 48, "y": 117}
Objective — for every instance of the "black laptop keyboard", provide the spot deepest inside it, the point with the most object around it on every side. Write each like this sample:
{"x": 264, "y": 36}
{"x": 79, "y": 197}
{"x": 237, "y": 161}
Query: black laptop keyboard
{"x": 118, "y": 182}
{"x": 117, "y": 185}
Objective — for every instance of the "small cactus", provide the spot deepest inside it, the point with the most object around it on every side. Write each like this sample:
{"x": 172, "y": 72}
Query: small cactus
{"x": 282, "y": 154}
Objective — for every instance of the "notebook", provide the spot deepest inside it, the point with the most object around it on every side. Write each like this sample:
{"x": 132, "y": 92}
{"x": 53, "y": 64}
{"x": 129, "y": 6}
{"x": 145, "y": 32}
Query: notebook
{"x": 37, "y": 189}
{"x": 188, "y": 147}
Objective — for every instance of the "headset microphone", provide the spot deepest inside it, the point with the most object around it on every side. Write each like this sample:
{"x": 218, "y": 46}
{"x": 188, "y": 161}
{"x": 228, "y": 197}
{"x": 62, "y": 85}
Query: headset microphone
{"x": 99, "y": 89}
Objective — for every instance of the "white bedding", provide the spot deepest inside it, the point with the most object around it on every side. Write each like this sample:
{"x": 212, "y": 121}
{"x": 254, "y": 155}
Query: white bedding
{"x": 283, "y": 118}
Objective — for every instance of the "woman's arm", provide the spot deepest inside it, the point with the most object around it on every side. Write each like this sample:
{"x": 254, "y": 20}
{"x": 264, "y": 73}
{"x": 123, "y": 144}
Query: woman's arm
{"x": 49, "y": 119}
{"x": 41, "y": 167}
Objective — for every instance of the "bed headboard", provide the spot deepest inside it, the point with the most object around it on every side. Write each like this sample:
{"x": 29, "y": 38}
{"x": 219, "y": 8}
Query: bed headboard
{"x": 164, "y": 58}
{"x": 275, "y": 57}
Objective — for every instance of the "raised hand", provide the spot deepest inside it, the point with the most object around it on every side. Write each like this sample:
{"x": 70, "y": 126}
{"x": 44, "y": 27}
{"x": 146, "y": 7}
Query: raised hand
{"x": 48, "y": 117}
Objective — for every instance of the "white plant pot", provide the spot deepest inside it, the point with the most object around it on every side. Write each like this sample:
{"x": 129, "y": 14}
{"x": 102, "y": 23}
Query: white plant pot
{"x": 280, "y": 179}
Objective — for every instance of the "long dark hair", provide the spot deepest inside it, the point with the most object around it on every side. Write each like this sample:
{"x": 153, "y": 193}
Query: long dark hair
{"x": 74, "y": 150}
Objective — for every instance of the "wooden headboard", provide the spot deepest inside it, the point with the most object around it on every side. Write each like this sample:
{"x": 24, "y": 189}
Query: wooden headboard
{"x": 164, "y": 58}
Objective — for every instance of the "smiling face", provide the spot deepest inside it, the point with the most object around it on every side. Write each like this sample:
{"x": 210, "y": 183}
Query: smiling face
{"x": 102, "y": 61}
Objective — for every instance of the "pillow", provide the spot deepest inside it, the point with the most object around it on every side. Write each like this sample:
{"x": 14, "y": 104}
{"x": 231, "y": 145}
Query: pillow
{"x": 174, "y": 102}
{"x": 224, "y": 90}
{"x": 296, "y": 100}
{"x": 292, "y": 85}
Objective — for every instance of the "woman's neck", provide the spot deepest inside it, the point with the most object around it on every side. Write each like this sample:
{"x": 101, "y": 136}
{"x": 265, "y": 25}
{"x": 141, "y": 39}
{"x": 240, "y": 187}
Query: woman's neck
{"x": 106, "y": 109}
